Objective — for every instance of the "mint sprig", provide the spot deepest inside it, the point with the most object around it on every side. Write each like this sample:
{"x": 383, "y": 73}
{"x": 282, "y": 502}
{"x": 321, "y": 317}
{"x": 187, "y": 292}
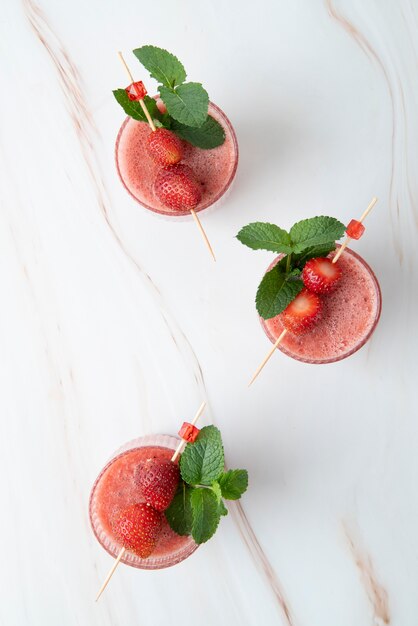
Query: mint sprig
{"x": 162, "y": 65}
{"x": 198, "y": 504}
{"x": 206, "y": 514}
{"x": 233, "y": 484}
{"x": 179, "y": 514}
{"x": 265, "y": 236}
{"x": 307, "y": 239}
{"x": 209, "y": 135}
{"x": 315, "y": 231}
{"x": 186, "y": 102}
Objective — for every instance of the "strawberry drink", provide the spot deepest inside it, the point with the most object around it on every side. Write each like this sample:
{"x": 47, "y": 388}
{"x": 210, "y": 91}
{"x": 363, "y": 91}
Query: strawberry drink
{"x": 177, "y": 153}
{"x": 318, "y": 302}
{"x": 153, "y": 504}
{"x": 213, "y": 168}
{"x": 348, "y": 318}
{"x": 116, "y": 489}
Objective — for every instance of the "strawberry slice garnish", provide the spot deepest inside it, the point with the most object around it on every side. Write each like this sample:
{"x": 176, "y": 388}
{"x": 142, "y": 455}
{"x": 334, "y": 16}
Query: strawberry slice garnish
{"x": 137, "y": 528}
{"x": 321, "y": 275}
{"x": 177, "y": 188}
{"x": 164, "y": 147}
{"x": 302, "y": 313}
{"x": 157, "y": 480}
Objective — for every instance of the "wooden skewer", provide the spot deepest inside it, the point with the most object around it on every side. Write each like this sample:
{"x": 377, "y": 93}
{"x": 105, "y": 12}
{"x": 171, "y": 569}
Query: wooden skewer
{"x": 123, "y": 550}
{"x": 334, "y": 260}
{"x": 141, "y": 101}
{"x": 152, "y": 126}
{"x": 348, "y": 239}
{"x": 267, "y": 358}
{"x": 202, "y": 232}
{"x": 111, "y": 572}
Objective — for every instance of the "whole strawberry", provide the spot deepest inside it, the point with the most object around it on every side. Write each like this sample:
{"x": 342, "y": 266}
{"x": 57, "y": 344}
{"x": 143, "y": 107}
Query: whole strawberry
{"x": 321, "y": 275}
{"x": 164, "y": 147}
{"x": 302, "y": 313}
{"x": 177, "y": 188}
{"x": 137, "y": 528}
{"x": 157, "y": 480}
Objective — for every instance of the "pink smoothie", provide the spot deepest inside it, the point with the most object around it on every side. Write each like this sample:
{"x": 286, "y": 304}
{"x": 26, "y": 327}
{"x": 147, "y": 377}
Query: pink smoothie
{"x": 114, "y": 490}
{"x": 215, "y": 168}
{"x": 349, "y": 316}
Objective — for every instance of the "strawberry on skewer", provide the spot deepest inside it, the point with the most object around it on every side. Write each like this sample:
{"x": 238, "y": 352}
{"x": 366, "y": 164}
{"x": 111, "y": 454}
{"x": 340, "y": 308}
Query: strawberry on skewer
{"x": 136, "y": 527}
{"x": 302, "y": 313}
{"x": 166, "y": 149}
{"x": 158, "y": 480}
{"x": 321, "y": 275}
{"x": 177, "y": 188}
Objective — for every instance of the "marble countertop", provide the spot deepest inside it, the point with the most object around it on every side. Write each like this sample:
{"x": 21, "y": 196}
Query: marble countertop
{"x": 115, "y": 323}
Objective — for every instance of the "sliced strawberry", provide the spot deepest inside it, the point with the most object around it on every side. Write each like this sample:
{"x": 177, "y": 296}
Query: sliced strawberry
{"x": 321, "y": 275}
{"x": 157, "y": 480}
{"x": 164, "y": 147}
{"x": 302, "y": 313}
{"x": 137, "y": 528}
{"x": 177, "y": 188}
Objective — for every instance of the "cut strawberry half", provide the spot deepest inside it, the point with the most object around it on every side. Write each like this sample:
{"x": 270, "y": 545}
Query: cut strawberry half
{"x": 177, "y": 188}
{"x": 302, "y": 313}
{"x": 137, "y": 528}
{"x": 321, "y": 275}
{"x": 164, "y": 147}
{"x": 157, "y": 480}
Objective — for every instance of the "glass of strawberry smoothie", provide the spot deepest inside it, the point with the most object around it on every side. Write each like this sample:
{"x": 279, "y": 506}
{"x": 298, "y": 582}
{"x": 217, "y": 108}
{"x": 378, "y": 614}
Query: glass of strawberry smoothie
{"x": 349, "y": 316}
{"x": 214, "y": 168}
{"x": 115, "y": 489}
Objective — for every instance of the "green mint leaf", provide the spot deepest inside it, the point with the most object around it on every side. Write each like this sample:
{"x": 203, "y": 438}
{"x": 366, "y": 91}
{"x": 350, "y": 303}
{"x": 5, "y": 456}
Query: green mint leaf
{"x": 216, "y": 488}
{"x": 265, "y": 236}
{"x": 275, "y": 292}
{"x": 162, "y": 65}
{"x": 206, "y": 514}
{"x": 222, "y": 508}
{"x": 179, "y": 513}
{"x": 202, "y": 462}
{"x": 133, "y": 108}
{"x": 187, "y": 103}
{"x": 315, "y": 231}
{"x": 233, "y": 484}
{"x": 209, "y": 135}
{"x": 323, "y": 250}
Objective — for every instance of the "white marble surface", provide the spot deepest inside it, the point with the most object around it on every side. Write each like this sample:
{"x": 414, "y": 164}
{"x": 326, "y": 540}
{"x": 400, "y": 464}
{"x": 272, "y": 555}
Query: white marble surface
{"x": 114, "y": 323}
